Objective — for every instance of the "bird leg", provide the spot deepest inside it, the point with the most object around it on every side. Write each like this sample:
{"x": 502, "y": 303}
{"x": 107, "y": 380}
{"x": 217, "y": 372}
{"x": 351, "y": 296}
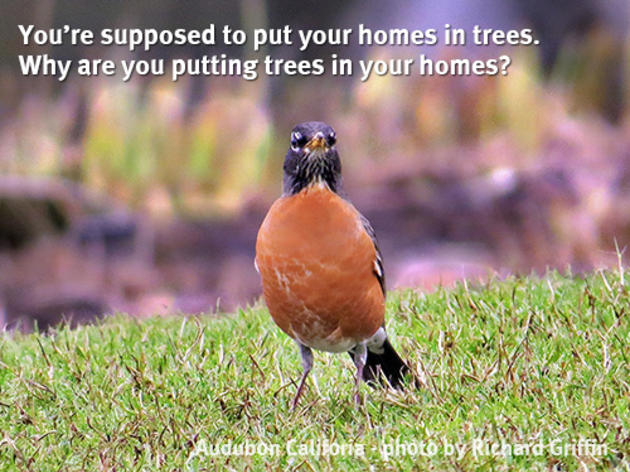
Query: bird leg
{"x": 307, "y": 365}
{"x": 360, "y": 358}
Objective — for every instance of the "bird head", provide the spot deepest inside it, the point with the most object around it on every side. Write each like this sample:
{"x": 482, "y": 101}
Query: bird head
{"x": 312, "y": 158}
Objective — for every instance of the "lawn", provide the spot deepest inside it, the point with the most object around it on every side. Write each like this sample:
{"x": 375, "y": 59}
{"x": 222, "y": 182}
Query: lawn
{"x": 526, "y": 373}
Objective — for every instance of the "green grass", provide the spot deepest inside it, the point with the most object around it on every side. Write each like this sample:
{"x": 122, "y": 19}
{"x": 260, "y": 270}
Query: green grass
{"x": 524, "y": 360}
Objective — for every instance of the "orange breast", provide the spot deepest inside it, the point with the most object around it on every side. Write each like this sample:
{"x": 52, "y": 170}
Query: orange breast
{"x": 316, "y": 263}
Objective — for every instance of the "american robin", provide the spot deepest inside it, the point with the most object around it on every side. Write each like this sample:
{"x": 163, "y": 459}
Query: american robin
{"x": 321, "y": 267}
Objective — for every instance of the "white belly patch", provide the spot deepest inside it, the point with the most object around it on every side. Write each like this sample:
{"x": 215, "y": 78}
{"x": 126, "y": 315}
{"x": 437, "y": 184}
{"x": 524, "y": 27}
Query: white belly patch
{"x": 338, "y": 345}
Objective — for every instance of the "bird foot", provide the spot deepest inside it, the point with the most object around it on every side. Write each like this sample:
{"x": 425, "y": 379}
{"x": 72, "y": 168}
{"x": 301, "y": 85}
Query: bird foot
{"x": 295, "y": 400}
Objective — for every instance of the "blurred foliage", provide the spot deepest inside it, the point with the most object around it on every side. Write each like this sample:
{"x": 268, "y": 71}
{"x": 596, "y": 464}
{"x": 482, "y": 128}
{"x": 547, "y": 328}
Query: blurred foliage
{"x": 144, "y": 144}
{"x": 206, "y": 146}
{"x": 522, "y": 171}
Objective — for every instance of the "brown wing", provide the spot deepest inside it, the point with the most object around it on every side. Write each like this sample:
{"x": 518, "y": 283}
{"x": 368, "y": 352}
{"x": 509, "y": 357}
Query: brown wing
{"x": 379, "y": 270}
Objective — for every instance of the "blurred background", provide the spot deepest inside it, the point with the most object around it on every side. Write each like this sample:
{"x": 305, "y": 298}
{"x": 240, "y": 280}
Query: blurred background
{"x": 146, "y": 197}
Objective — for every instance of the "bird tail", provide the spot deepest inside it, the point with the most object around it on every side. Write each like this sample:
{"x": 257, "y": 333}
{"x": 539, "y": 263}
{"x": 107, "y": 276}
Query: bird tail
{"x": 386, "y": 366}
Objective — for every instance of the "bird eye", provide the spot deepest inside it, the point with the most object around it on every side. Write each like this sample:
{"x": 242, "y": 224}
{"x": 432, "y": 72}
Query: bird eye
{"x": 297, "y": 140}
{"x": 332, "y": 138}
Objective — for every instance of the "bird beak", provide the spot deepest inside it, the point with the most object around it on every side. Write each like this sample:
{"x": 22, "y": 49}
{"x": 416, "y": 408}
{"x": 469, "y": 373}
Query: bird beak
{"x": 317, "y": 142}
